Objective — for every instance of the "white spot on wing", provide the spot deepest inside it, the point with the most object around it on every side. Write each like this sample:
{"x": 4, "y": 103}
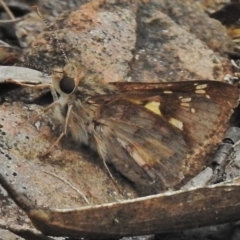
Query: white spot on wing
{"x": 184, "y": 100}
{"x": 139, "y": 160}
{"x": 200, "y": 91}
{"x": 185, "y": 104}
{"x": 201, "y": 86}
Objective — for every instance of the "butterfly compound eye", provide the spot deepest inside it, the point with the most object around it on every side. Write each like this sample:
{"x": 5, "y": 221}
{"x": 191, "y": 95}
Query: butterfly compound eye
{"x": 67, "y": 85}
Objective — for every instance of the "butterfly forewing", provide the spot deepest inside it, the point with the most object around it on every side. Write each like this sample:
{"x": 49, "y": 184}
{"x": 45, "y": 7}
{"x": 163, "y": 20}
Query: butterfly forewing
{"x": 164, "y": 129}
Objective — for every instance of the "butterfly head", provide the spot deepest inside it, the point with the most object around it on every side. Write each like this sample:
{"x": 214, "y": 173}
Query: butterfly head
{"x": 65, "y": 80}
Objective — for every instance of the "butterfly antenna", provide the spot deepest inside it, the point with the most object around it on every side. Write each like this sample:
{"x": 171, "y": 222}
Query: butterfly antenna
{"x": 50, "y": 29}
{"x": 44, "y": 70}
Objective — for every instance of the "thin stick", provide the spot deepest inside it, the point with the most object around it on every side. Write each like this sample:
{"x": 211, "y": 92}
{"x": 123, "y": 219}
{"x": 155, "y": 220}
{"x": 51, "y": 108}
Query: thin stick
{"x": 6, "y": 8}
{"x": 11, "y": 21}
{"x": 42, "y": 85}
{"x": 24, "y": 232}
{"x": 68, "y": 183}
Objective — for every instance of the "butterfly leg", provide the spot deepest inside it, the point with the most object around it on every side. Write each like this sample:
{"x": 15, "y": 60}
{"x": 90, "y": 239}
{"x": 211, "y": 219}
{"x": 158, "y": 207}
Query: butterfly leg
{"x": 55, "y": 102}
{"x": 102, "y": 149}
{"x": 61, "y": 135}
{"x": 112, "y": 178}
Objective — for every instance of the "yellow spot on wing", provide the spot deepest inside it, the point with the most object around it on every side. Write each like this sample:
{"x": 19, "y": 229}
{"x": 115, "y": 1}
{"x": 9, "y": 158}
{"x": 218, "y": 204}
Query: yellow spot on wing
{"x": 154, "y": 107}
{"x": 139, "y": 102}
{"x": 176, "y": 123}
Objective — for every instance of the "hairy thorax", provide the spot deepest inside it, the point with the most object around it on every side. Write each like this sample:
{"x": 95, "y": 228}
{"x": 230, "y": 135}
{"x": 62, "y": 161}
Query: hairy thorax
{"x": 82, "y": 121}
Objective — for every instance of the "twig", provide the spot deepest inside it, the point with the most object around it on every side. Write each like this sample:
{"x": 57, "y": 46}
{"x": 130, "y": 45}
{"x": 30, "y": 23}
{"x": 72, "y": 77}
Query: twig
{"x": 11, "y": 21}
{"x": 6, "y": 8}
{"x": 25, "y": 233}
{"x": 68, "y": 183}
